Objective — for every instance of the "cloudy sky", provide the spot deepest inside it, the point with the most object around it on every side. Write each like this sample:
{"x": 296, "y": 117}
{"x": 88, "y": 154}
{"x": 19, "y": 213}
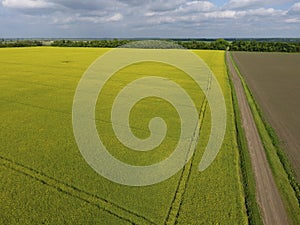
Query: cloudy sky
{"x": 149, "y": 18}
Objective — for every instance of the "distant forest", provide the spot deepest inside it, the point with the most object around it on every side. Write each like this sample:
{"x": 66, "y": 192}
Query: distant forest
{"x": 251, "y": 45}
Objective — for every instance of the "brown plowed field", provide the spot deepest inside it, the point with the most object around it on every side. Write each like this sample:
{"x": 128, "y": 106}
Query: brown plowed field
{"x": 274, "y": 79}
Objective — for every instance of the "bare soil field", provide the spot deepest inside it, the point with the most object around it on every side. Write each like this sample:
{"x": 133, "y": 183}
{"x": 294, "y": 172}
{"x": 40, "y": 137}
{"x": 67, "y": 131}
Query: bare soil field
{"x": 274, "y": 79}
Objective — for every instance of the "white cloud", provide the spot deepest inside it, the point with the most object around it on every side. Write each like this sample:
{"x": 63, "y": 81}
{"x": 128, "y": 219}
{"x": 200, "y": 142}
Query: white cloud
{"x": 155, "y": 17}
{"x": 199, "y": 6}
{"x": 73, "y": 19}
{"x": 115, "y": 18}
{"x": 264, "y": 12}
{"x": 293, "y": 15}
{"x": 292, "y": 20}
{"x": 227, "y": 14}
{"x": 296, "y": 7}
{"x": 235, "y": 4}
{"x": 27, "y": 4}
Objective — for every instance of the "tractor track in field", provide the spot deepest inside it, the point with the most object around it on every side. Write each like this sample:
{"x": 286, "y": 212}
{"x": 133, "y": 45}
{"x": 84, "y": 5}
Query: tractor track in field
{"x": 174, "y": 210}
{"x": 267, "y": 194}
{"x": 176, "y": 204}
{"x": 101, "y": 203}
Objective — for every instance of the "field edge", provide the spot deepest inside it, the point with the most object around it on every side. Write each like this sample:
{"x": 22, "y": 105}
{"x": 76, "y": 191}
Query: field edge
{"x": 247, "y": 176}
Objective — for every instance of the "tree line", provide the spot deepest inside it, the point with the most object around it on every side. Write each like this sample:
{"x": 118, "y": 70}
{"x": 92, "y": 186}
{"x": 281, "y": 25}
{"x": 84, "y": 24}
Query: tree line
{"x": 20, "y": 43}
{"x": 91, "y": 44}
{"x": 255, "y": 46}
{"x": 244, "y": 45}
{"x": 219, "y": 44}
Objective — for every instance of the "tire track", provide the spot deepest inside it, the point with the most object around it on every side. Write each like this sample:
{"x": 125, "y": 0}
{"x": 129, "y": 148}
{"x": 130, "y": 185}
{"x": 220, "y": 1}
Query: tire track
{"x": 101, "y": 203}
{"x": 176, "y": 204}
{"x": 268, "y": 197}
{"x": 177, "y": 201}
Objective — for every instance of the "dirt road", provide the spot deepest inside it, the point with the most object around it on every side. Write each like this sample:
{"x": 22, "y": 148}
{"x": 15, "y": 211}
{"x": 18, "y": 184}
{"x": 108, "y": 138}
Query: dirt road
{"x": 268, "y": 198}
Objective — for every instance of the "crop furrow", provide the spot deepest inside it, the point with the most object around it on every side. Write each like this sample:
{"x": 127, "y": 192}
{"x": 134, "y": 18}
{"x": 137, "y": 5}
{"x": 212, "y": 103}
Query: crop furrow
{"x": 176, "y": 204}
{"x": 101, "y": 203}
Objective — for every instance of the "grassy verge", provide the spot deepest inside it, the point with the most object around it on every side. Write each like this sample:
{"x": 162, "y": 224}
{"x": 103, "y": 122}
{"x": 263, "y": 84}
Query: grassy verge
{"x": 248, "y": 180}
{"x": 281, "y": 167}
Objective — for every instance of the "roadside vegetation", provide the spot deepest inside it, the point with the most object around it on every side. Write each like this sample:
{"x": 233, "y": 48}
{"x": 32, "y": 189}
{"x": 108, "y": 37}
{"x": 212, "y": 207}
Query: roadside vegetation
{"x": 253, "y": 211}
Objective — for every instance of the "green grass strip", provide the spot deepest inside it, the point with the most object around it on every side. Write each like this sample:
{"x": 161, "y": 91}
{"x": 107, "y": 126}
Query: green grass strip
{"x": 282, "y": 170}
{"x": 249, "y": 186}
